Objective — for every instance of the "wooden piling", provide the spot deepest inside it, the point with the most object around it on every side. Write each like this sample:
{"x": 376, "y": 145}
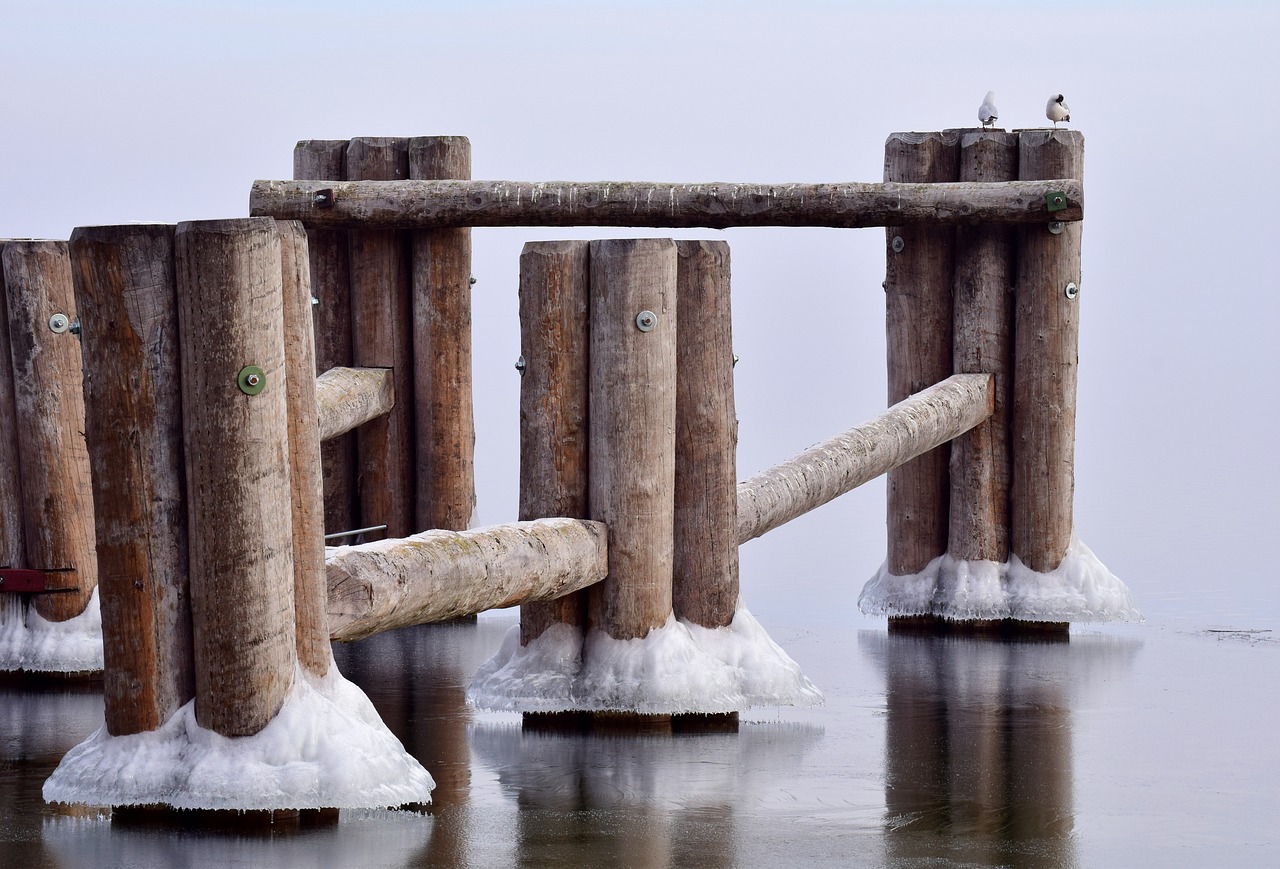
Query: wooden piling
{"x": 632, "y": 430}
{"x": 446, "y": 491}
{"x": 983, "y": 343}
{"x": 1047, "y": 328}
{"x": 310, "y": 585}
{"x": 704, "y": 587}
{"x": 12, "y": 545}
{"x": 237, "y": 457}
{"x": 554, "y": 396}
{"x": 49, "y": 402}
{"x": 918, "y": 329}
{"x": 127, "y": 298}
{"x": 381, "y": 311}
{"x": 325, "y": 160}
{"x": 347, "y": 398}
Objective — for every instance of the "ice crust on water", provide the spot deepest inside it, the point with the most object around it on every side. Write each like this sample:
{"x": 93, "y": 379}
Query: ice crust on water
{"x": 30, "y": 642}
{"x": 677, "y": 668}
{"x": 1080, "y": 589}
{"x": 327, "y": 748}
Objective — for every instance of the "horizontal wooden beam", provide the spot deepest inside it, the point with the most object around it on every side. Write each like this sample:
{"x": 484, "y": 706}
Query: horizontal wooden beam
{"x": 349, "y": 397}
{"x": 823, "y": 472}
{"x": 441, "y": 575}
{"x": 433, "y": 204}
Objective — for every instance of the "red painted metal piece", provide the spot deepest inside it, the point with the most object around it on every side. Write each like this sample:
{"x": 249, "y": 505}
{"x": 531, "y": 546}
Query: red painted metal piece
{"x": 28, "y": 581}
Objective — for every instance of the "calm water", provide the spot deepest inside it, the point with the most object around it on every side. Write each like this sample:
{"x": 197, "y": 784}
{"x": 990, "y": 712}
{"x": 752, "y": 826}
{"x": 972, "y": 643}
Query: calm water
{"x": 1139, "y": 746}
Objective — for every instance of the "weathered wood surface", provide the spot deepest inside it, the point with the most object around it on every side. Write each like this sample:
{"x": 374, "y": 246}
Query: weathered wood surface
{"x": 49, "y": 402}
{"x": 347, "y": 398}
{"x": 446, "y": 436}
{"x": 238, "y": 485}
{"x": 307, "y": 488}
{"x": 918, "y": 320}
{"x": 985, "y": 271}
{"x": 554, "y": 336}
{"x": 632, "y": 420}
{"x": 331, "y": 287}
{"x": 127, "y": 298}
{"x": 704, "y": 585}
{"x": 12, "y": 531}
{"x": 439, "y": 575}
{"x": 432, "y": 204}
{"x": 1047, "y": 329}
{"x": 381, "y": 297}
{"x": 827, "y": 470}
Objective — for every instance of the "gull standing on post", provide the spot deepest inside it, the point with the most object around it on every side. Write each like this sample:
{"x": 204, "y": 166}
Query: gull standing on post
{"x": 1057, "y": 110}
{"x": 987, "y": 112}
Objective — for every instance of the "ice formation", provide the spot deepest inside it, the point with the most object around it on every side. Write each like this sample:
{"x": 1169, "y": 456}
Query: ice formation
{"x": 30, "y": 642}
{"x": 677, "y": 668}
{"x": 327, "y": 748}
{"x": 1080, "y": 589}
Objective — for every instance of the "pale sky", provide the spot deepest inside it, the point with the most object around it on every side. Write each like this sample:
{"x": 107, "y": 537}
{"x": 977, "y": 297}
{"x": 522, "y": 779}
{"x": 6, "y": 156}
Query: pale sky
{"x": 158, "y": 111}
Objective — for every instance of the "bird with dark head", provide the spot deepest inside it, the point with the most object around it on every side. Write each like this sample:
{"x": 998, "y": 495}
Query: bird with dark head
{"x": 1057, "y": 110}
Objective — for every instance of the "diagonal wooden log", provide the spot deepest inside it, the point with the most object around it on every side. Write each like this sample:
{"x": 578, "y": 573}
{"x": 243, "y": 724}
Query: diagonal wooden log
{"x": 440, "y": 575}
{"x": 349, "y": 397}
{"x": 434, "y": 204}
{"x": 823, "y": 472}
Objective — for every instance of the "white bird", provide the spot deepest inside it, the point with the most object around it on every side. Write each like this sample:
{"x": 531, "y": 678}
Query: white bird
{"x": 987, "y": 112}
{"x": 1057, "y": 110}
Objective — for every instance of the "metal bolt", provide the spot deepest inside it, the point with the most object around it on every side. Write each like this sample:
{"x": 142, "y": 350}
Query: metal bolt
{"x": 471, "y": 281}
{"x": 646, "y": 320}
{"x": 521, "y": 365}
{"x": 315, "y": 302}
{"x": 898, "y": 244}
{"x": 59, "y": 323}
{"x": 1072, "y": 290}
{"x": 1056, "y": 227}
{"x": 251, "y": 380}
{"x": 735, "y": 360}
{"x": 74, "y": 328}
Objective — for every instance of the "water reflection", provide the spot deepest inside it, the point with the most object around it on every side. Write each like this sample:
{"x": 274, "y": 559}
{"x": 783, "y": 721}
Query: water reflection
{"x": 978, "y": 753}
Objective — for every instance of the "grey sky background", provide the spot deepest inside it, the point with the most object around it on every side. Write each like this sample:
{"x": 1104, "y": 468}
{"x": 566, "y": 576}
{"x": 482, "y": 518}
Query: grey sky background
{"x": 157, "y": 111}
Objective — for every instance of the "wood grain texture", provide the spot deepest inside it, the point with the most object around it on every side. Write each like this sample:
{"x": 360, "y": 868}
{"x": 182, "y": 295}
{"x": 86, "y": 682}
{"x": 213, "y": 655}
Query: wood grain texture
{"x": 433, "y": 204}
{"x": 381, "y": 309}
{"x": 985, "y": 271}
{"x": 918, "y": 331}
{"x": 1046, "y": 355}
{"x": 238, "y": 484}
{"x": 555, "y": 284}
{"x": 827, "y": 470}
{"x": 446, "y": 435}
{"x": 12, "y": 527}
{"x": 126, "y": 294}
{"x": 347, "y": 398}
{"x": 439, "y": 575}
{"x": 49, "y": 402}
{"x": 331, "y": 286}
{"x": 704, "y": 585}
{"x": 632, "y": 414}
{"x": 307, "y": 490}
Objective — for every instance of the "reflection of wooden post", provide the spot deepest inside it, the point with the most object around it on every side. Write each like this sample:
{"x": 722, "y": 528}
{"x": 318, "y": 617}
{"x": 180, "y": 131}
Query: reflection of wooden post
{"x": 237, "y": 456}
{"x": 310, "y": 581}
{"x": 918, "y": 318}
{"x": 446, "y": 492}
{"x": 1044, "y": 388}
{"x": 331, "y": 286}
{"x": 983, "y": 343}
{"x": 49, "y": 401}
{"x": 632, "y": 424}
{"x": 381, "y": 315}
{"x": 705, "y": 574}
{"x": 127, "y": 299}
{"x": 554, "y": 334}
{"x": 12, "y": 545}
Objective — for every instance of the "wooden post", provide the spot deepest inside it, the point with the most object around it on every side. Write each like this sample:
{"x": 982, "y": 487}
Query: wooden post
{"x": 704, "y": 586}
{"x": 237, "y": 457}
{"x": 632, "y": 430}
{"x": 310, "y": 586}
{"x": 128, "y": 303}
{"x": 12, "y": 544}
{"x": 983, "y": 343}
{"x": 918, "y": 320}
{"x": 555, "y": 284}
{"x": 446, "y": 494}
{"x": 1047, "y": 328}
{"x": 49, "y": 401}
{"x": 347, "y": 398}
{"x": 381, "y": 313}
{"x": 325, "y": 160}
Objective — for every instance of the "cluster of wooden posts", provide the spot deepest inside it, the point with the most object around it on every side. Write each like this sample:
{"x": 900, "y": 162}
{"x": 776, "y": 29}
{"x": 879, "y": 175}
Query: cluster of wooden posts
{"x": 216, "y": 459}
